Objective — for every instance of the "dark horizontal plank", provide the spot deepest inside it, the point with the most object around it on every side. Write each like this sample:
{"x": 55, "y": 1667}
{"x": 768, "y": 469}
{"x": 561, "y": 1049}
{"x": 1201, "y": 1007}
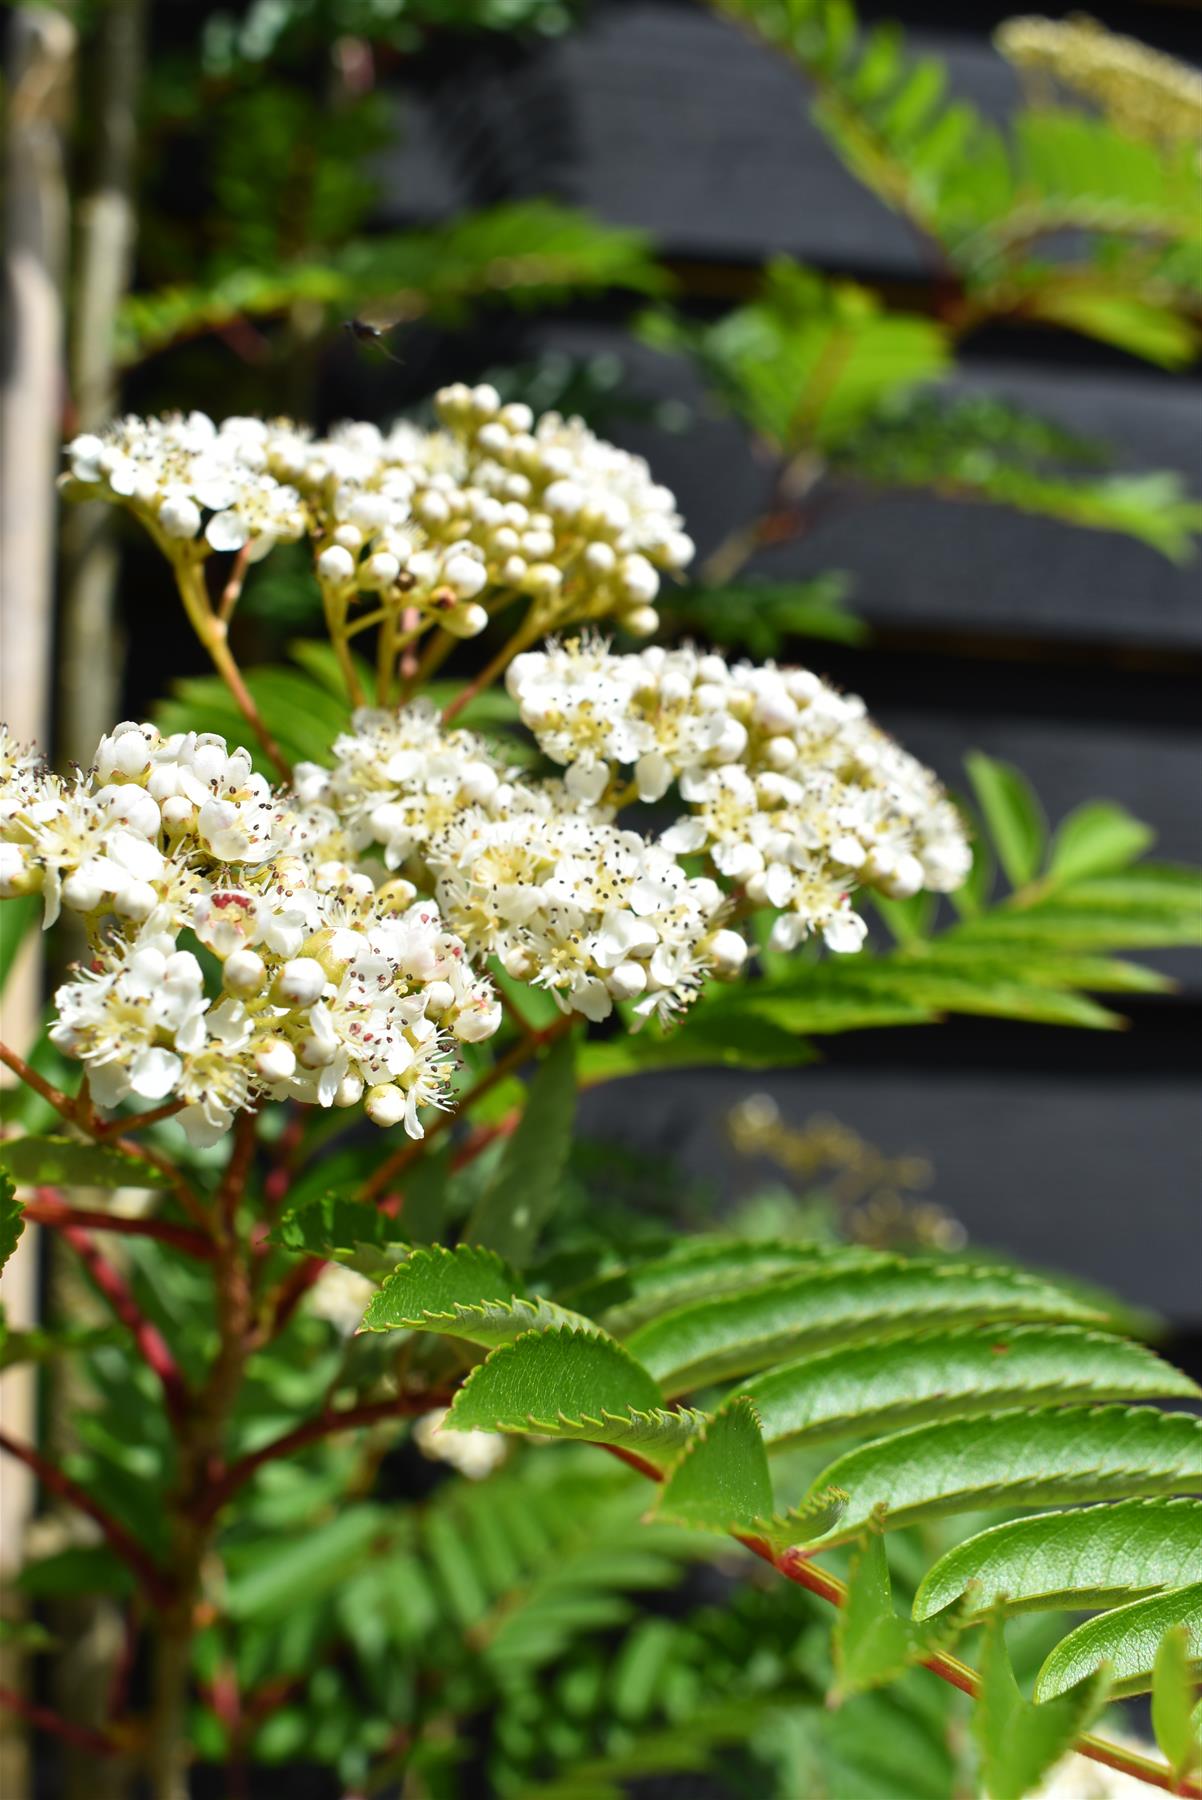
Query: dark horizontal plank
{"x": 668, "y": 118}
{"x": 1098, "y": 1175}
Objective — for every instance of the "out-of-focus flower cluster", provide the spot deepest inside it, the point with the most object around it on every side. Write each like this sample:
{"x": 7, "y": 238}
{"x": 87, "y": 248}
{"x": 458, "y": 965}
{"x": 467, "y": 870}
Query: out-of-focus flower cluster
{"x": 321, "y": 984}
{"x": 793, "y": 794}
{"x": 431, "y": 524}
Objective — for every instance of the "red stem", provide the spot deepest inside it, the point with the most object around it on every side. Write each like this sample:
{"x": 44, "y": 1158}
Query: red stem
{"x": 795, "y": 1566}
{"x": 44, "y": 1718}
{"x": 56, "y": 1481}
{"x": 54, "y": 1213}
{"x": 151, "y": 1344}
{"x": 311, "y": 1431}
{"x": 138, "y": 1121}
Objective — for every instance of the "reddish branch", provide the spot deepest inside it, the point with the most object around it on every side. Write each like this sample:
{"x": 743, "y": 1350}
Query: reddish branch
{"x": 794, "y": 1565}
{"x": 311, "y": 1431}
{"x": 43, "y": 1718}
{"x": 138, "y": 1121}
{"x": 151, "y": 1344}
{"x": 48, "y": 1210}
{"x": 56, "y": 1481}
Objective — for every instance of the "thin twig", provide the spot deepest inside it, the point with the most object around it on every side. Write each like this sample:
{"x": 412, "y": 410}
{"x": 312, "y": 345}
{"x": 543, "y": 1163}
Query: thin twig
{"x": 311, "y": 1431}
{"x": 231, "y": 593}
{"x": 151, "y": 1344}
{"x": 57, "y": 1482}
{"x": 213, "y": 634}
{"x": 50, "y": 1211}
{"x": 138, "y": 1121}
{"x": 524, "y": 635}
{"x": 44, "y": 1718}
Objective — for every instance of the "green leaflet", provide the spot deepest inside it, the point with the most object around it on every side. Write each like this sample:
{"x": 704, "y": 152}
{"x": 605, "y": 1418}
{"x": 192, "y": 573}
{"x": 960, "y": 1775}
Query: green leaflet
{"x": 1088, "y": 1558}
{"x": 1172, "y": 1704}
{"x": 525, "y": 1188}
{"x": 721, "y": 1483}
{"x": 12, "y": 1219}
{"x": 733, "y": 1336}
{"x": 703, "y": 1269}
{"x": 1017, "y": 1458}
{"x": 465, "y": 1293}
{"x": 1096, "y": 839}
{"x": 65, "y": 1162}
{"x": 1012, "y": 815}
{"x": 883, "y": 1386}
{"x": 1019, "y": 1742}
{"x": 872, "y": 1644}
{"x": 566, "y": 1382}
{"x": 1128, "y": 1639}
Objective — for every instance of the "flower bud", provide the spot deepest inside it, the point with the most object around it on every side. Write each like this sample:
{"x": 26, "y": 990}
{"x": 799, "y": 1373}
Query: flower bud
{"x": 336, "y": 566}
{"x": 385, "y": 1106}
{"x": 179, "y": 517}
{"x": 300, "y": 982}
{"x": 349, "y": 1091}
{"x": 17, "y": 876}
{"x": 244, "y": 973}
{"x": 275, "y": 1060}
{"x": 380, "y": 570}
{"x": 628, "y": 980}
{"x": 728, "y": 952}
{"x": 478, "y": 1021}
{"x": 465, "y": 621}
{"x": 641, "y": 621}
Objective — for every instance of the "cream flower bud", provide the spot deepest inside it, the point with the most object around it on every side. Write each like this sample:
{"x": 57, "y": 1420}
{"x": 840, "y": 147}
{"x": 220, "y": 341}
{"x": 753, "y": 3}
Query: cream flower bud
{"x": 81, "y": 893}
{"x": 478, "y": 1021}
{"x": 641, "y": 621}
{"x": 349, "y": 536}
{"x": 517, "y": 416}
{"x": 179, "y": 516}
{"x": 349, "y": 1091}
{"x": 519, "y": 963}
{"x": 485, "y": 400}
{"x": 135, "y": 901}
{"x": 465, "y": 621}
{"x": 640, "y": 582}
{"x": 385, "y": 1106}
{"x": 275, "y": 1060}
{"x": 465, "y": 574}
{"x": 728, "y": 952}
{"x": 627, "y": 981}
{"x": 600, "y": 559}
{"x": 336, "y": 566}
{"x": 380, "y": 570}
{"x": 244, "y": 973}
{"x": 178, "y": 813}
{"x": 300, "y": 982}
{"x": 542, "y": 578}
{"x": 780, "y": 752}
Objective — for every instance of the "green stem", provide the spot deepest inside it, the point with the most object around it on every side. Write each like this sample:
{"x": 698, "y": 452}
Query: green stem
{"x": 526, "y": 634}
{"x": 213, "y": 634}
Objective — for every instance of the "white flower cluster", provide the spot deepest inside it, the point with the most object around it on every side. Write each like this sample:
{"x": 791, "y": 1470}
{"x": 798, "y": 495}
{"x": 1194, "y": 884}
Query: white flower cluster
{"x": 524, "y": 870}
{"x": 493, "y": 502}
{"x": 794, "y": 794}
{"x": 332, "y": 989}
{"x": 173, "y": 471}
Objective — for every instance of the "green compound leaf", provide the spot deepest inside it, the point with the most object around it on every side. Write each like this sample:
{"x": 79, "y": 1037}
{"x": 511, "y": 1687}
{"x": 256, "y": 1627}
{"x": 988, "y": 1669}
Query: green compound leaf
{"x": 1012, "y": 816}
{"x": 1017, "y": 1458}
{"x": 1091, "y": 1557}
{"x": 1128, "y": 1639}
{"x": 1097, "y": 839}
{"x": 939, "y": 1373}
{"x": 1019, "y": 1742}
{"x": 524, "y": 1191}
{"x": 872, "y": 1644}
{"x": 721, "y": 1483}
{"x": 12, "y": 1219}
{"x": 64, "y": 1162}
{"x": 816, "y": 1310}
{"x": 1173, "y": 1703}
{"x": 569, "y": 1383}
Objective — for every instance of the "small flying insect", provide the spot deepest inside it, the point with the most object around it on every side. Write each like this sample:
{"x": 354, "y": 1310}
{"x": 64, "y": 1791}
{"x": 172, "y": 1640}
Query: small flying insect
{"x": 373, "y": 328}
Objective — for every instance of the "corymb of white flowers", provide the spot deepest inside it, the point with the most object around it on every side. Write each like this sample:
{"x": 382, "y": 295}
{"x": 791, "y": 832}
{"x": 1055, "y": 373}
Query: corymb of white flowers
{"x": 328, "y": 939}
